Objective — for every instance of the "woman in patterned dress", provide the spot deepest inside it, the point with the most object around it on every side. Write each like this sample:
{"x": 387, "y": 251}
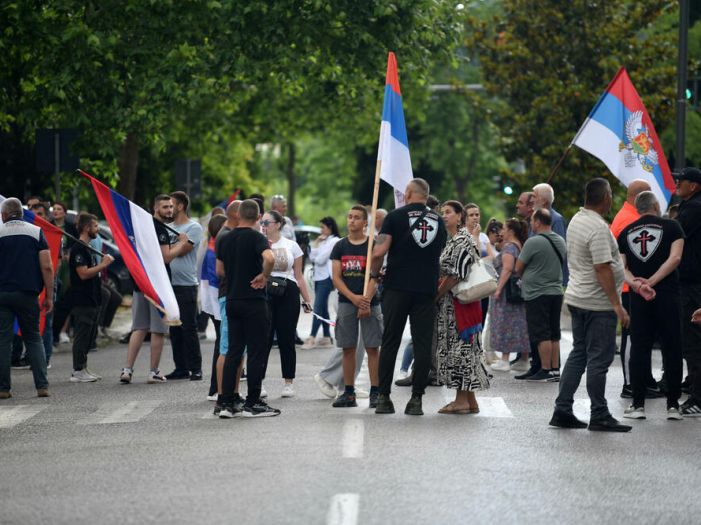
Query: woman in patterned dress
{"x": 460, "y": 358}
{"x": 508, "y": 331}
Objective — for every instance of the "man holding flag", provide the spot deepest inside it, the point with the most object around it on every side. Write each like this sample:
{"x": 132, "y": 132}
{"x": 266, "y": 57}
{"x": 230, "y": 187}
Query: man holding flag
{"x": 24, "y": 246}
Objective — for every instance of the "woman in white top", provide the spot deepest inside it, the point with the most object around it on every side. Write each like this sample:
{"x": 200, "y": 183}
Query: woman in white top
{"x": 320, "y": 257}
{"x": 473, "y": 226}
{"x": 284, "y": 286}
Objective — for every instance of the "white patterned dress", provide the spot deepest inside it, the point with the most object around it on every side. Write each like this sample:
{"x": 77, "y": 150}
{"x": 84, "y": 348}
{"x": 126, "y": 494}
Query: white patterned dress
{"x": 460, "y": 363}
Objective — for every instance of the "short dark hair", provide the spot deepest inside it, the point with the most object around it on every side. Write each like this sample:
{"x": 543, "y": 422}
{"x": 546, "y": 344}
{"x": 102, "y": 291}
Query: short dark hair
{"x": 161, "y": 197}
{"x": 543, "y": 216}
{"x": 433, "y": 202}
{"x": 596, "y": 191}
{"x": 494, "y": 226}
{"x": 40, "y": 204}
{"x": 421, "y": 186}
{"x": 362, "y": 209}
{"x": 330, "y": 223}
{"x": 181, "y": 198}
{"x": 215, "y": 224}
{"x": 459, "y": 209}
{"x": 260, "y": 201}
{"x": 84, "y": 220}
{"x": 249, "y": 210}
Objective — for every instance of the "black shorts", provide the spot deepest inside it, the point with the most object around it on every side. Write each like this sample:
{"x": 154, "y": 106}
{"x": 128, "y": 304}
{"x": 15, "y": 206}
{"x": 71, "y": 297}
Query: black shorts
{"x": 543, "y": 318}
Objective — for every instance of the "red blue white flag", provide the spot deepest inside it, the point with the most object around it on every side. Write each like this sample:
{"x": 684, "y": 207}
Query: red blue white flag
{"x": 619, "y": 132}
{"x": 135, "y": 235}
{"x": 393, "y": 149}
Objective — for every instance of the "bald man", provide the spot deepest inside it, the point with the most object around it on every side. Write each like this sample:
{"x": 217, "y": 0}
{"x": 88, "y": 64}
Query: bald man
{"x": 627, "y": 215}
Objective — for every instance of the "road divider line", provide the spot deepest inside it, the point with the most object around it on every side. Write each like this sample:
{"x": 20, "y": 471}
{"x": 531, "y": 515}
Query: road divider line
{"x": 343, "y": 510}
{"x": 353, "y": 438}
{"x": 115, "y": 412}
{"x": 14, "y": 415}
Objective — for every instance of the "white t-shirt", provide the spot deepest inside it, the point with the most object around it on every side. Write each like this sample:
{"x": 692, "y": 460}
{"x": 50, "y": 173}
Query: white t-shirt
{"x": 285, "y": 252}
{"x": 484, "y": 242}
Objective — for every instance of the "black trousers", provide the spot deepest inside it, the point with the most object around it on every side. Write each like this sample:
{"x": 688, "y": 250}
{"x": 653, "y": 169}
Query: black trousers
{"x": 420, "y": 309}
{"x": 184, "y": 338}
{"x": 213, "y": 388}
{"x": 111, "y": 299}
{"x": 691, "y": 336}
{"x": 649, "y": 320}
{"x": 284, "y": 314}
{"x": 84, "y": 328}
{"x": 249, "y": 326}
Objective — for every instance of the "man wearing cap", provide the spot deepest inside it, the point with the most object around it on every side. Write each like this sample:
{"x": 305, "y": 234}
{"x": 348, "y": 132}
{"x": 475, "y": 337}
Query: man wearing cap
{"x": 688, "y": 183}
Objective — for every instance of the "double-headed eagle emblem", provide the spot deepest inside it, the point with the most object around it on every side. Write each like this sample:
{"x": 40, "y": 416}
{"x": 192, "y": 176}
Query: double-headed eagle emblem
{"x": 638, "y": 142}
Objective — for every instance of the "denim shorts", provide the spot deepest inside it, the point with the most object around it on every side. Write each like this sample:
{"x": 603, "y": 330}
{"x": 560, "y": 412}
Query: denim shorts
{"x": 223, "y": 328}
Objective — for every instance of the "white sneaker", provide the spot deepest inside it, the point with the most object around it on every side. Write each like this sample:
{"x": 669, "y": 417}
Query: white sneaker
{"x": 326, "y": 388}
{"x": 213, "y": 397}
{"x": 82, "y": 376}
{"x": 674, "y": 414}
{"x": 501, "y": 366}
{"x": 287, "y": 390}
{"x": 491, "y": 357}
{"x": 155, "y": 376}
{"x": 126, "y": 375}
{"x": 96, "y": 376}
{"x": 63, "y": 338}
{"x": 309, "y": 343}
{"x": 634, "y": 412}
{"x": 361, "y": 394}
{"x": 403, "y": 374}
{"x": 521, "y": 365}
{"x": 263, "y": 393}
{"x": 325, "y": 341}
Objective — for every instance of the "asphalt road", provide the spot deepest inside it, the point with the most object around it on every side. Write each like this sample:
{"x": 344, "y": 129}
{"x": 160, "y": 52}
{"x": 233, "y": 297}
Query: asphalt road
{"x": 111, "y": 453}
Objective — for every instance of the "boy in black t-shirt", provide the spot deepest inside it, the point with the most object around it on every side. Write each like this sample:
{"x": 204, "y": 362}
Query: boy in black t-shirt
{"x": 412, "y": 237}
{"x": 84, "y": 296}
{"x": 651, "y": 248}
{"x": 349, "y": 261}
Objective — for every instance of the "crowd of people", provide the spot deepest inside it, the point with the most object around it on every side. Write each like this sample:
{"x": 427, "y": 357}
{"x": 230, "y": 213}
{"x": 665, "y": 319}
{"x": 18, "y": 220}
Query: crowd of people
{"x": 390, "y": 268}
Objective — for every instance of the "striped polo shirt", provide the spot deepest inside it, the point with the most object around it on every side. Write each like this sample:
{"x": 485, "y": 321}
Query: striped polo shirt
{"x": 20, "y": 244}
{"x": 590, "y": 242}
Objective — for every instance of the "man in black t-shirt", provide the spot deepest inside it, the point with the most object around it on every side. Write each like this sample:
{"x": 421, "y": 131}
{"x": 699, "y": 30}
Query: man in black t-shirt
{"x": 84, "y": 295}
{"x": 244, "y": 257}
{"x": 652, "y": 248}
{"x": 412, "y": 237}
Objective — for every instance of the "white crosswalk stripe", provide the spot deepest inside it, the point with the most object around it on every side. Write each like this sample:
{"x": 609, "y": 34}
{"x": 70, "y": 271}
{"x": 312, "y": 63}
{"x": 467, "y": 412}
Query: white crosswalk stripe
{"x": 11, "y": 416}
{"x": 343, "y": 510}
{"x": 353, "y": 438}
{"x": 120, "y": 412}
{"x": 489, "y": 406}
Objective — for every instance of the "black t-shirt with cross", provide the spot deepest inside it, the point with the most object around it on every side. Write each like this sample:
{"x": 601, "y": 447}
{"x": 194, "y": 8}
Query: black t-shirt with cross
{"x": 412, "y": 260}
{"x": 646, "y": 243}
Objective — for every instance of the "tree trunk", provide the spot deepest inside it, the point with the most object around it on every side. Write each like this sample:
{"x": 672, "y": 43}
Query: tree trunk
{"x": 461, "y": 184}
{"x": 291, "y": 178}
{"x": 128, "y": 164}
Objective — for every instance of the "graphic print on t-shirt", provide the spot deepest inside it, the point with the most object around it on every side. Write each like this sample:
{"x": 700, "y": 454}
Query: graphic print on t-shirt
{"x": 426, "y": 231}
{"x": 643, "y": 240}
{"x": 281, "y": 261}
{"x": 353, "y": 266}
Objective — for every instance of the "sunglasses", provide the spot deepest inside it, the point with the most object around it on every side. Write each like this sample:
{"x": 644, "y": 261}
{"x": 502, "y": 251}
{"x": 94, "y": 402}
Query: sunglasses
{"x": 267, "y": 223}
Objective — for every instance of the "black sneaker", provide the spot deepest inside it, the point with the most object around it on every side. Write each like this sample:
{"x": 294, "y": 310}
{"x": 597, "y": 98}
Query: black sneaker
{"x": 413, "y": 407}
{"x": 196, "y": 376}
{"x": 609, "y": 424}
{"x": 373, "y": 399}
{"x": 562, "y": 419}
{"x": 527, "y": 374}
{"x": 230, "y": 410}
{"x": 260, "y": 409}
{"x": 22, "y": 364}
{"x": 690, "y": 408}
{"x": 345, "y": 400}
{"x": 178, "y": 374}
{"x": 384, "y": 405}
{"x": 541, "y": 376}
{"x": 627, "y": 392}
{"x": 218, "y": 408}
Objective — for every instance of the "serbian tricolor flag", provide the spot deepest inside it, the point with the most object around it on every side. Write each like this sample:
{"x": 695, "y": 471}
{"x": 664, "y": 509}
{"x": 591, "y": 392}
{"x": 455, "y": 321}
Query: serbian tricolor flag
{"x": 135, "y": 235}
{"x": 619, "y": 132}
{"x": 53, "y": 235}
{"x": 209, "y": 283}
{"x": 393, "y": 150}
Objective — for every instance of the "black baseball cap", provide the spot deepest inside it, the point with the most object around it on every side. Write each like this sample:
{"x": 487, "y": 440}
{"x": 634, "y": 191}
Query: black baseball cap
{"x": 691, "y": 174}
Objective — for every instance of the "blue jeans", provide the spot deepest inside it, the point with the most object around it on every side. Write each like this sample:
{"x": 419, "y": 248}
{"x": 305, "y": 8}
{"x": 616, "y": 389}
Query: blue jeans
{"x": 223, "y": 328}
{"x": 594, "y": 346}
{"x": 48, "y": 337}
{"x": 408, "y": 357}
{"x": 25, "y": 306}
{"x": 322, "y": 290}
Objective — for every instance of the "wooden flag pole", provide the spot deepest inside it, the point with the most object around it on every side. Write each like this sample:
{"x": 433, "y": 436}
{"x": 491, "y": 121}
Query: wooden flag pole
{"x": 559, "y": 163}
{"x": 371, "y": 225}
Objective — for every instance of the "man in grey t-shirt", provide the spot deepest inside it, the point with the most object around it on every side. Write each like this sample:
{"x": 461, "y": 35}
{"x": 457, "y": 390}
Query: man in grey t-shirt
{"x": 184, "y": 339}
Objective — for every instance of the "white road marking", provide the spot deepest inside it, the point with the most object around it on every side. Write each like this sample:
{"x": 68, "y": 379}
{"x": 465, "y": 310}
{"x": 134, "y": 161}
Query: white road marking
{"x": 353, "y": 438}
{"x": 582, "y": 407}
{"x": 343, "y": 510}
{"x": 489, "y": 406}
{"x": 116, "y": 412}
{"x": 11, "y": 416}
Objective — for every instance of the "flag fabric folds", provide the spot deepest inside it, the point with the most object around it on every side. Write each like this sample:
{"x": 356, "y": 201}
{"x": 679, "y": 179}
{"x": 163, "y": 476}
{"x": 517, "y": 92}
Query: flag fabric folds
{"x": 619, "y": 132}
{"x": 135, "y": 235}
{"x": 209, "y": 283}
{"x": 393, "y": 149}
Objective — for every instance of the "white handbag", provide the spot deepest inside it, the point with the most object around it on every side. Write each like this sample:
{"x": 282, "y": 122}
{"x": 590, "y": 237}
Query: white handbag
{"x": 481, "y": 282}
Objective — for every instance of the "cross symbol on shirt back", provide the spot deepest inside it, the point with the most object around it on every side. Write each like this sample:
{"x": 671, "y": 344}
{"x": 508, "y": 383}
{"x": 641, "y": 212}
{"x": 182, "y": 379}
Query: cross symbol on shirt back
{"x": 642, "y": 240}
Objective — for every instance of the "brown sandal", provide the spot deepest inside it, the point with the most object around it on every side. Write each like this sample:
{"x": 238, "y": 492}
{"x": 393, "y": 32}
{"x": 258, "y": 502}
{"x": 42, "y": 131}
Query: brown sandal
{"x": 450, "y": 409}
